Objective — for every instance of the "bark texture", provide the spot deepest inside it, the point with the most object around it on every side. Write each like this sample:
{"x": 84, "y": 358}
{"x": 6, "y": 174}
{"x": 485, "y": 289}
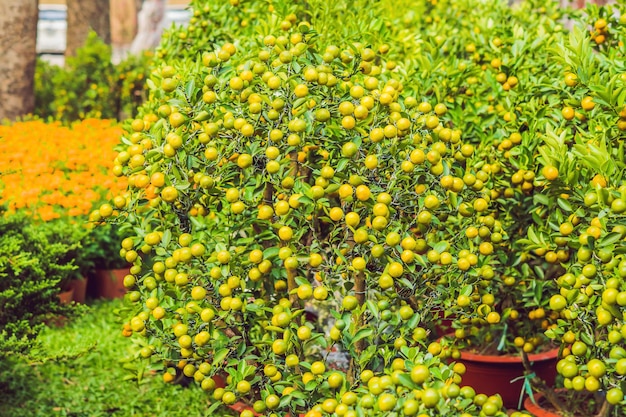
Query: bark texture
{"x": 83, "y": 16}
{"x": 18, "y": 43}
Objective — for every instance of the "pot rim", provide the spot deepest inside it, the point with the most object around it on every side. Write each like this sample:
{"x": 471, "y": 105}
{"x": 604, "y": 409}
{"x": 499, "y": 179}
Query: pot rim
{"x": 508, "y": 358}
{"x": 534, "y": 357}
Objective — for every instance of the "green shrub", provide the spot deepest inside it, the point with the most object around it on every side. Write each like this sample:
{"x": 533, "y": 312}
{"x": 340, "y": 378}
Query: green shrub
{"x": 33, "y": 263}
{"x": 130, "y": 90}
{"x": 292, "y": 173}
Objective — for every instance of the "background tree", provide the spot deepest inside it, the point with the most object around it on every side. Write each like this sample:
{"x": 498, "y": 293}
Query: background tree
{"x": 83, "y": 16}
{"x": 18, "y": 38}
{"x": 150, "y": 25}
{"x": 123, "y": 24}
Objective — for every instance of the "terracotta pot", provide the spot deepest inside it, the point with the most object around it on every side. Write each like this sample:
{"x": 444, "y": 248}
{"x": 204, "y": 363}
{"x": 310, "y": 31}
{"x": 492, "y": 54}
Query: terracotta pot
{"x": 491, "y": 374}
{"x": 587, "y": 403}
{"x": 79, "y": 286}
{"x": 241, "y": 406}
{"x": 588, "y": 400}
{"x": 109, "y": 283}
{"x": 66, "y": 296}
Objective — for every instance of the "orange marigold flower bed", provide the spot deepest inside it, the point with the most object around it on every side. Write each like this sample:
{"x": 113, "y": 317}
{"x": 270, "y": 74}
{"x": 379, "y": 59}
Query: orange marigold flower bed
{"x": 52, "y": 170}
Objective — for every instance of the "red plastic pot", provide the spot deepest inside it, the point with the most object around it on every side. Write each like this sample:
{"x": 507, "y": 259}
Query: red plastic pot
{"x": 443, "y": 325}
{"x": 241, "y": 406}
{"x": 540, "y": 407}
{"x": 109, "y": 283}
{"x": 491, "y": 374}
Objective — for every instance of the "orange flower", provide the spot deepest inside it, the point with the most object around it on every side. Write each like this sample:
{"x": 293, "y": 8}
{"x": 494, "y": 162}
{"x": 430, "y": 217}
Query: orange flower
{"x": 53, "y": 170}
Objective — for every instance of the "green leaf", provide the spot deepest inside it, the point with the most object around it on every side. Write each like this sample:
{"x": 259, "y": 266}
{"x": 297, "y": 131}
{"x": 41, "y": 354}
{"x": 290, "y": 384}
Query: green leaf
{"x": 586, "y": 338}
{"x": 541, "y": 199}
{"x": 270, "y": 252}
{"x": 190, "y": 87}
{"x": 406, "y": 381}
{"x": 609, "y": 239}
{"x": 372, "y": 307}
{"x": 564, "y": 204}
{"x": 342, "y": 164}
{"x": 311, "y": 385}
{"x": 362, "y": 334}
{"x": 440, "y": 247}
{"x": 167, "y": 237}
{"x": 414, "y": 320}
{"x": 213, "y": 408}
{"x": 219, "y": 357}
{"x": 467, "y": 290}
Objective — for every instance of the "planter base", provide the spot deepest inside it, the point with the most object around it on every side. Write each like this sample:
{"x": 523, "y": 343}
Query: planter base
{"x": 65, "y": 297}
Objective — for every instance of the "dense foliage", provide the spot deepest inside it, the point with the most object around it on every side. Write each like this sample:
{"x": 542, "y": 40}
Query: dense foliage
{"x": 34, "y": 259}
{"x": 403, "y": 162}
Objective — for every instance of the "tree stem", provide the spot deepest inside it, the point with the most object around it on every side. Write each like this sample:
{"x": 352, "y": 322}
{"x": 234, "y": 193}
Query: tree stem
{"x": 359, "y": 292}
{"x": 542, "y": 387}
{"x": 604, "y": 410}
{"x": 291, "y": 287}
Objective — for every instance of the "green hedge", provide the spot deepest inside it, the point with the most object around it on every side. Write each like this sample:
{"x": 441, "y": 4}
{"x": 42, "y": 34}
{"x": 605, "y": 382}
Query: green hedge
{"x": 35, "y": 258}
{"x": 90, "y": 85}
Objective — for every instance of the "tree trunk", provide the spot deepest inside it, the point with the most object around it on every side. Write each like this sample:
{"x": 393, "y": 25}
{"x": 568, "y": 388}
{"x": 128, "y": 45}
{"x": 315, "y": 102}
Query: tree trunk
{"x": 18, "y": 43}
{"x": 123, "y": 22}
{"x": 150, "y": 25}
{"x": 83, "y": 16}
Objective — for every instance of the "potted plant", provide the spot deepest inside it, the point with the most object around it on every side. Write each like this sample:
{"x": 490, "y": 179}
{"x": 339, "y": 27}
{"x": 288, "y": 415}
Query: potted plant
{"x": 311, "y": 181}
{"x": 495, "y": 293}
{"x": 572, "y": 238}
{"x": 274, "y": 173}
{"x": 583, "y": 209}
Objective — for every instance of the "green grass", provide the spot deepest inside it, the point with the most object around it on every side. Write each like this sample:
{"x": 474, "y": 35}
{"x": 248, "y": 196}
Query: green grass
{"x": 91, "y": 384}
